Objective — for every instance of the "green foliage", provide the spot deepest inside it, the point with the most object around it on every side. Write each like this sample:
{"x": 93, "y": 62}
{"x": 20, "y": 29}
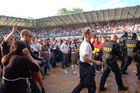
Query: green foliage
{"x": 64, "y": 11}
{"x": 77, "y": 10}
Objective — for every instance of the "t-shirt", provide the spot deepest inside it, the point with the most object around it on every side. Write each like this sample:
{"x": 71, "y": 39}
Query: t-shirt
{"x": 64, "y": 48}
{"x": 18, "y": 67}
{"x": 73, "y": 48}
{"x": 38, "y": 45}
{"x": 54, "y": 47}
{"x": 5, "y": 48}
{"x": 33, "y": 46}
{"x": 44, "y": 48}
{"x": 97, "y": 47}
{"x": 85, "y": 48}
{"x": 93, "y": 42}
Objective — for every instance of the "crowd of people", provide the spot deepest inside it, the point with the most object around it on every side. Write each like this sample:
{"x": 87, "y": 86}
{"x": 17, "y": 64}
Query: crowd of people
{"x": 94, "y": 54}
{"x": 76, "y": 30}
{"x": 27, "y": 55}
{"x": 40, "y": 55}
{"x": 105, "y": 27}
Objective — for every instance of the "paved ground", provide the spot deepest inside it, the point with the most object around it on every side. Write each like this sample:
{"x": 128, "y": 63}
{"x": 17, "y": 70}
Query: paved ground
{"x": 61, "y": 82}
{"x": 64, "y": 81}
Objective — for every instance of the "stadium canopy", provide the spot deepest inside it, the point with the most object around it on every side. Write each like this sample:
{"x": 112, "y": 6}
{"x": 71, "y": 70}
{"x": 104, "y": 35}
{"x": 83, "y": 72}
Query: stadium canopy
{"x": 12, "y": 21}
{"x": 77, "y": 18}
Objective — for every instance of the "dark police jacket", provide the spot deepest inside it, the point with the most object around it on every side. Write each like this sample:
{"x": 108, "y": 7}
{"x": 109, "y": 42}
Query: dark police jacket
{"x": 138, "y": 49}
{"x": 137, "y": 55}
{"x": 132, "y": 47}
{"x": 111, "y": 50}
{"x": 122, "y": 42}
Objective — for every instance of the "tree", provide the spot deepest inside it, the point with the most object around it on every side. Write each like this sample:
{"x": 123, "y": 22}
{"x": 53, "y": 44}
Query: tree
{"x": 77, "y": 10}
{"x": 63, "y": 11}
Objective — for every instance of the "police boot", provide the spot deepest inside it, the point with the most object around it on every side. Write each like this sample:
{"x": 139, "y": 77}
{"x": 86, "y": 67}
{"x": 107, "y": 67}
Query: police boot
{"x": 43, "y": 90}
{"x": 124, "y": 88}
{"x": 123, "y": 70}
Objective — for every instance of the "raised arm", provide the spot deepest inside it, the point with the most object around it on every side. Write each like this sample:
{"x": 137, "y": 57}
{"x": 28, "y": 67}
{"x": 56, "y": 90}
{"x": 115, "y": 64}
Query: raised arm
{"x": 14, "y": 29}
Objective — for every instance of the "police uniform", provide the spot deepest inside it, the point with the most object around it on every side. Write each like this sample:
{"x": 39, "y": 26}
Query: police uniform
{"x": 137, "y": 60}
{"x": 132, "y": 47}
{"x": 111, "y": 50}
{"x": 123, "y": 51}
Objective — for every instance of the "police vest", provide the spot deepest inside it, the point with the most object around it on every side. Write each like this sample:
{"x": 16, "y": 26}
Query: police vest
{"x": 131, "y": 47}
{"x": 138, "y": 50}
{"x": 107, "y": 49}
{"x": 122, "y": 42}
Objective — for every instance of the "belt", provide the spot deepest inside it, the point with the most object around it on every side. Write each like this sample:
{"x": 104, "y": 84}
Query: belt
{"x": 14, "y": 79}
{"x": 84, "y": 63}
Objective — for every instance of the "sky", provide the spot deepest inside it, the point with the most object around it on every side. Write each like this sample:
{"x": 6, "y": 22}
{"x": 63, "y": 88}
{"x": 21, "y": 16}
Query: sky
{"x": 46, "y": 8}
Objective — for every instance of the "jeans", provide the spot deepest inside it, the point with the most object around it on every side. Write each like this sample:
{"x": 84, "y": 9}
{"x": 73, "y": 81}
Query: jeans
{"x": 54, "y": 59}
{"x": 48, "y": 63}
{"x": 65, "y": 60}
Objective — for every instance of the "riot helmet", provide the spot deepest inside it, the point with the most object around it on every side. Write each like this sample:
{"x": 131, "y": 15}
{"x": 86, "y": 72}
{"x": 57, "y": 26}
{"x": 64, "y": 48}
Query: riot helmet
{"x": 134, "y": 35}
{"x": 125, "y": 34}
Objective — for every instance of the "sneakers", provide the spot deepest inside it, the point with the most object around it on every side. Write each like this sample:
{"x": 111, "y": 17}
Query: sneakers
{"x": 65, "y": 71}
{"x": 125, "y": 88}
{"x": 72, "y": 66}
{"x": 102, "y": 89}
{"x": 102, "y": 70}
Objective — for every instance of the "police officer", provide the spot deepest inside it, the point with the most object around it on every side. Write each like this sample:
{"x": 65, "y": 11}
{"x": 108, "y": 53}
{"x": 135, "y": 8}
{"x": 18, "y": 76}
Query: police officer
{"x": 87, "y": 72}
{"x": 111, "y": 51}
{"x": 123, "y": 48}
{"x": 137, "y": 58}
{"x": 132, "y": 48}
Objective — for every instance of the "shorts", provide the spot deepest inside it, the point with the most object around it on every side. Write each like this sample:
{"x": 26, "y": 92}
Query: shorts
{"x": 74, "y": 57}
{"x": 36, "y": 76}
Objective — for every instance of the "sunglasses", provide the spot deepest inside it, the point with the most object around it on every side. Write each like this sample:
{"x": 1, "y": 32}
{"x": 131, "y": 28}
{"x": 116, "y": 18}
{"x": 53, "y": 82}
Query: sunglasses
{"x": 29, "y": 35}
